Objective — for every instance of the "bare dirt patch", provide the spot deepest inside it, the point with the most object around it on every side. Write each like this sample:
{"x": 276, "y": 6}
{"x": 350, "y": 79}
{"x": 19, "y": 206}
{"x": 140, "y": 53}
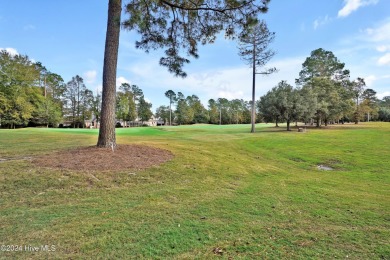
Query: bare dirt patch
{"x": 91, "y": 158}
{"x": 324, "y": 168}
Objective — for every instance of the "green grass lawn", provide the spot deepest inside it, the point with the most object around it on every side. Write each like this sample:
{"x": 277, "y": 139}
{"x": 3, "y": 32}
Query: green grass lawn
{"x": 248, "y": 196}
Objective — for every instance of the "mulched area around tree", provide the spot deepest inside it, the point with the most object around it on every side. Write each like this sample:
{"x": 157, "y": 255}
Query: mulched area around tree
{"x": 91, "y": 158}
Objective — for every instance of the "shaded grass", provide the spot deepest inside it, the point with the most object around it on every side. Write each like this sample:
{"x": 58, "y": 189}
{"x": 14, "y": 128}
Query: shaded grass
{"x": 251, "y": 195}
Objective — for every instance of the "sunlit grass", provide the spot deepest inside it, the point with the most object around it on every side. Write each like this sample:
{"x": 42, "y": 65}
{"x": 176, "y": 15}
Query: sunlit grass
{"x": 250, "y": 195}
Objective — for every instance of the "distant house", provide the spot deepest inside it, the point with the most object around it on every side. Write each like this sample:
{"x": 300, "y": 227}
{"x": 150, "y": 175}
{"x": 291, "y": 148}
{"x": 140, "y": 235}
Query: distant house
{"x": 93, "y": 123}
{"x": 153, "y": 121}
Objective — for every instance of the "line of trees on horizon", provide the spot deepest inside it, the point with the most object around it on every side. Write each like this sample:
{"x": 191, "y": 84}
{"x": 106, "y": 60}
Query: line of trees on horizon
{"x": 31, "y": 95}
{"x": 190, "y": 110}
{"x": 324, "y": 95}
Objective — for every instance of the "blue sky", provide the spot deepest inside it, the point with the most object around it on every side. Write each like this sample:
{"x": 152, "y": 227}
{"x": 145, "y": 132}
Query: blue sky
{"x": 68, "y": 36}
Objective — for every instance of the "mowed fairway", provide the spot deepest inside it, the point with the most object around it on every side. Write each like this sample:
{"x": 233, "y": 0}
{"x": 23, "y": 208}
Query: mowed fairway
{"x": 227, "y": 193}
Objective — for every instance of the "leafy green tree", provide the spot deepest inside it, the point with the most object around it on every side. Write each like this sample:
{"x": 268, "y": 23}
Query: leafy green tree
{"x": 384, "y": 114}
{"x": 345, "y": 105}
{"x": 122, "y": 106}
{"x": 171, "y": 25}
{"x": 385, "y": 102}
{"x": 322, "y": 64}
{"x": 96, "y": 107}
{"x": 172, "y": 98}
{"x": 290, "y": 103}
{"x": 18, "y": 85}
{"x": 236, "y": 110}
{"x": 48, "y": 113}
{"x": 325, "y": 75}
{"x": 144, "y": 112}
{"x": 184, "y": 113}
{"x": 199, "y": 111}
{"x": 254, "y": 50}
{"x": 327, "y": 98}
{"x": 50, "y": 110}
{"x": 283, "y": 102}
{"x": 34, "y": 94}
{"x": 268, "y": 108}
{"x": 137, "y": 93}
{"x": 246, "y": 114}
{"x": 164, "y": 112}
{"x": 239, "y": 111}
{"x": 223, "y": 107}
{"x": 309, "y": 104}
{"x": 213, "y": 111}
{"x": 357, "y": 90}
{"x": 370, "y": 103}
{"x": 75, "y": 95}
{"x": 56, "y": 87}
{"x": 3, "y": 103}
{"x": 126, "y": 107}
{"x": 86, "y": 105}
{"x": 224, "y": 111}
{"x": 384, "y": 109}
{"x": 4, "y": 106}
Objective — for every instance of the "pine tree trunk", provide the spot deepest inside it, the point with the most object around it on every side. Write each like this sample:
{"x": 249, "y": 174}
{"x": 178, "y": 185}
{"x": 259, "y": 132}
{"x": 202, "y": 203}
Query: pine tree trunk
{"x": 253, "y": 119}
{"x": 107, "y": 119}
{"x": 288, "y": 125}
{"x": 170, "y": 112}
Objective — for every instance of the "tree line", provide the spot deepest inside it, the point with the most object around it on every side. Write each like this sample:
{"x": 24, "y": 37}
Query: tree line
{"x": 324, "y": 94}
{"x": 31, "y": 95}
{"x": 190, "y": 110}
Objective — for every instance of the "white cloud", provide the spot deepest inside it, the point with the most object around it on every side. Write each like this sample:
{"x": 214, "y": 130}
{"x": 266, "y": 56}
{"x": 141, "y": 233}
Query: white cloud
{"x": 320, "y": 21}
{"x": 383, "y": 48}
{"x": 90, "y": 76}
{"x": 378, "y": 38}
{"x": 383, "y": 94}
{"x": 213, "y": 83}
{"x": 98, "y": 89}
{"x": 121, "y": 80}
{"x": 230, "y": 83}
{"x": 380, "y": 33}
{"x": 11, "y": 51}
{"x": 384, "y": 60}
{"x": 369, "y": 80}
{"x": 352, "y": 5}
